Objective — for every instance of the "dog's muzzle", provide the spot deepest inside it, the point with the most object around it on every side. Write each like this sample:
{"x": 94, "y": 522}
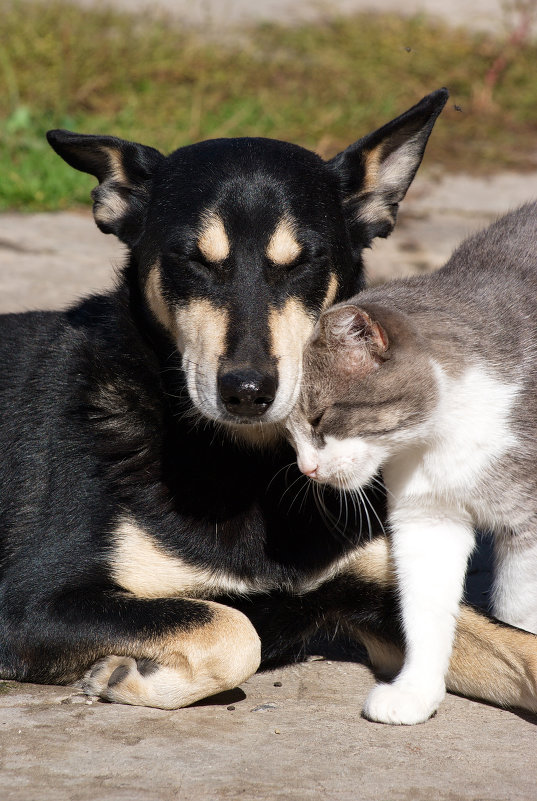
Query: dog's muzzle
{"x": 247, "y": 392}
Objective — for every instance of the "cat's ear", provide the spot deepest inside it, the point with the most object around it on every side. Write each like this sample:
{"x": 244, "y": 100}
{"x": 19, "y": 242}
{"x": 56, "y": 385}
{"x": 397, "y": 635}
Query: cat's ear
{"x": 124, "y": 171}
{"x": 375, "y": 172}
{"x": 349, "y": 330}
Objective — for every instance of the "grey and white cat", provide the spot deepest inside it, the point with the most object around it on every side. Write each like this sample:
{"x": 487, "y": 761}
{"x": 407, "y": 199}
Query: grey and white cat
{"x": 433, "y": 380}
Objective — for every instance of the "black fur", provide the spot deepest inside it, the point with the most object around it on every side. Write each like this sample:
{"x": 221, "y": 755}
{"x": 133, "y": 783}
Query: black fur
{"x": 96, "y": 422}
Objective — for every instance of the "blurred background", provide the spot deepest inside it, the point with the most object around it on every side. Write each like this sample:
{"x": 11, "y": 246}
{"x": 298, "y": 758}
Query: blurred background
{"x": 319, "y": 74}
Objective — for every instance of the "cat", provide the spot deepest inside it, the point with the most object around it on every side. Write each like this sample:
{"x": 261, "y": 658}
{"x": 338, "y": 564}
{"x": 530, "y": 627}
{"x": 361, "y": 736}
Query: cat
{"x": 433, "y": 381}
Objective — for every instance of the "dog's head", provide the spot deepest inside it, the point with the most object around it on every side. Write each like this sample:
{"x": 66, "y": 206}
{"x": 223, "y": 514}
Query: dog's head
{"x": 239, "y": 244}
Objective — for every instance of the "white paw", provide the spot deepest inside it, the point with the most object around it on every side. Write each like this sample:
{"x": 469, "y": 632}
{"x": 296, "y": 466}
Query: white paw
{"x": 402, "y": 704}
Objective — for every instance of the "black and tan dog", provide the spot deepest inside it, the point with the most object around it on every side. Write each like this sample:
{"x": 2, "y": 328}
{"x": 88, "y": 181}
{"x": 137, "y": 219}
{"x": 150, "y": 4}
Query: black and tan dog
{"x": 146, "y": 520}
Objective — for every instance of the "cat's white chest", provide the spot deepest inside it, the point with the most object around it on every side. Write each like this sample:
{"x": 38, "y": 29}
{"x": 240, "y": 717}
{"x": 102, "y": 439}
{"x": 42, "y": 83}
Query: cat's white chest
{"x": 470, "y": 430}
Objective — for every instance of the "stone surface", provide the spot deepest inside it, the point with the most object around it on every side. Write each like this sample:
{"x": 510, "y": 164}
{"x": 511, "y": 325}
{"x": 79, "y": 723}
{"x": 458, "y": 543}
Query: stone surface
{"x": 311, "y": 744}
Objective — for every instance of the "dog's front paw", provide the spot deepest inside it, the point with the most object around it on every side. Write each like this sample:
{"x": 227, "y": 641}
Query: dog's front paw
{"x": 119, "y": 678}
{"x": 401, "y": 703}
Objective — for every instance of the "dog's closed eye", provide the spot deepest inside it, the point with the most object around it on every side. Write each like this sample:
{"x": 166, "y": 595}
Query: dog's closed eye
{"x": 194, "y": 259}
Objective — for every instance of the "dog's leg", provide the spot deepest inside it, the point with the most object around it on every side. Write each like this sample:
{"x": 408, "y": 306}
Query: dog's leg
{"x": 493, "y": 661}
{"x": 490, "y": 660}
{"x": 164, "y": 653}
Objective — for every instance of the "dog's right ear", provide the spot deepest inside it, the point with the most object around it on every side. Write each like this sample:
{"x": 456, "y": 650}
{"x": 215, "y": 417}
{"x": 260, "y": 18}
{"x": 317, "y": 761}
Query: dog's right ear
{"x": 124, "y": 170}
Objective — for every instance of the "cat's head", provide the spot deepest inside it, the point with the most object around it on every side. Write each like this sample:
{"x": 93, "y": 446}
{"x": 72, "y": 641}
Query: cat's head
{"x": 367, "y": 390}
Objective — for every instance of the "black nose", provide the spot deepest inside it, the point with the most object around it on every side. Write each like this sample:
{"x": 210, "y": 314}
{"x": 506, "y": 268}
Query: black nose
{"x": 247, "y": 393}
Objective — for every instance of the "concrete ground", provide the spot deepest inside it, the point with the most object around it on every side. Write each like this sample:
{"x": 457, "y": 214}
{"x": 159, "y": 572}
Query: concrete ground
{"x": 304, "y": 739}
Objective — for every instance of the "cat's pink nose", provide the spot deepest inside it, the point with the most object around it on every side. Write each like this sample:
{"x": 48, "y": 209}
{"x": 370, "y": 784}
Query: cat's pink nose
{"x": 309, "y": 470}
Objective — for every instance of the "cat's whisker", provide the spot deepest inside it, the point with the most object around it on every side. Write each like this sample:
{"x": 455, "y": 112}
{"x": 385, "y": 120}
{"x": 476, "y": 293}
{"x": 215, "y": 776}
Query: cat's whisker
{"x": 360, "y": 511}
{"x": 325, "y": 513}
{"x": 308, "y": 487}
{"x": 343, "y": 491}
{"x": 346, "y": 503}
{"x": 357, "y": 506}
{"x": 361, "y": 494}
{"x": 299, "y": 491}
{"x": 368, "y": 500}
{"x": 353, "y": 500}
{"x": 286, "y": 467}
{"x": 379, "y": 486}
{"x": 341, "y": 531}
{"x": 301, "y": 476}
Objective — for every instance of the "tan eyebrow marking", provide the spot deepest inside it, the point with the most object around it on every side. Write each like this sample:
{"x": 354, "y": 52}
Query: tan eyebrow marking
{"x": 283, "y": 247}
{"x": 213, "y": 240}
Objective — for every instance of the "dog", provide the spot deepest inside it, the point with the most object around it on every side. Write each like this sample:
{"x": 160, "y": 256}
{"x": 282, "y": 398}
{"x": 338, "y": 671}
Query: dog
{"x": 149, "y": 544}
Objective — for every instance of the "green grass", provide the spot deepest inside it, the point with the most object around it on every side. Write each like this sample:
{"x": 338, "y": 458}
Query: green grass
{"x": 321, "y": 86}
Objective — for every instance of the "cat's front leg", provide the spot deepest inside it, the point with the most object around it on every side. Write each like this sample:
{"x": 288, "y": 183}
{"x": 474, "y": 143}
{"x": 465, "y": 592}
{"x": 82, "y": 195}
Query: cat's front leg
{"x": 430, "y": 552}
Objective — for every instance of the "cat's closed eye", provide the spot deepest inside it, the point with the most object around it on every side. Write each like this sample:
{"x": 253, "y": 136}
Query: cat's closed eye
{"x": 314, "y": 421}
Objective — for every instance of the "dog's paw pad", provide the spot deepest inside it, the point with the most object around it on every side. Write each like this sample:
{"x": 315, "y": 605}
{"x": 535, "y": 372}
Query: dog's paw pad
{"x": 400, "y": 705}
{"x": 116, "y": 674}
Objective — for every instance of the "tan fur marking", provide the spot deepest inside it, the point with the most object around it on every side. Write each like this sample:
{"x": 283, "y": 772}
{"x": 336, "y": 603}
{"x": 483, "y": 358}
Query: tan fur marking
{"x": 283, "y": 247}
{"x": 213, "y": 241}
{"x": 371, "y": 169}
{"x": 373, "y": 563}
{"x": 221, "y": 647}
{"x": 386, "y": 659}
{"x": 493, "y": 662}
{"x": 117, "y": 172}
{"x": 141, "y": 566}
{"x": 201, "y": 339}
{"x": 331, "y": 292}
{"x": 290, "y": 328}
{"x": 157, "y": 304}
{"x": 373, "y": 206}
{"x": 189, "y": 665}
{"x": 386, "y": 174}
{"x": 201, "y": 330}
{"x": 111, "y": 206}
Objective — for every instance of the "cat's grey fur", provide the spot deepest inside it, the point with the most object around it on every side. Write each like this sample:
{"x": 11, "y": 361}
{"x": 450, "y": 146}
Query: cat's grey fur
{"x": 433, "y": 379}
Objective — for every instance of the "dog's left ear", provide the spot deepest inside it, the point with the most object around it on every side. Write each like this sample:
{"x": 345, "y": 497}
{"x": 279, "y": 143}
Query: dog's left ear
{"x": 375, "y": 172}
{"x": 124, "y": 171}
